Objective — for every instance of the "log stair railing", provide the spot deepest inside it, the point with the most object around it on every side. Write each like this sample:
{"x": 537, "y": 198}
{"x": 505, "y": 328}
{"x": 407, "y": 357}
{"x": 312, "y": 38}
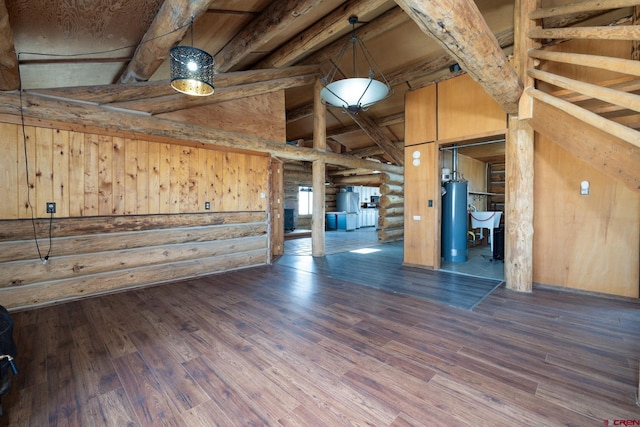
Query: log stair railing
{"x": 612, "y": 106}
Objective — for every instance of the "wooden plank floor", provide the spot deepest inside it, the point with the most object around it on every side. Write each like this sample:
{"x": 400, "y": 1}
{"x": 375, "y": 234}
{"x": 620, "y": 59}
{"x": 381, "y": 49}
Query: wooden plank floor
{"x": 277, "y": 346}
{"x": 381, "y": 267}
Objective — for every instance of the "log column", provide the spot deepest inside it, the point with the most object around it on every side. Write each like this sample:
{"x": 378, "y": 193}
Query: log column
{"x": 318, "y": 172}
{"x": 518, "y": 264}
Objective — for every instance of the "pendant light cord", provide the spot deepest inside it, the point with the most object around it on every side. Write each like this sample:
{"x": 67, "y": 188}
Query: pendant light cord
{"x": 45, "y": 258}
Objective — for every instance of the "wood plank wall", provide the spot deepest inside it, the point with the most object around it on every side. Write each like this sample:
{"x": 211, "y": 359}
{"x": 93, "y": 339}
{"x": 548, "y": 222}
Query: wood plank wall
{"x": 91, "y": 175}
{"x": 130, "y": 213}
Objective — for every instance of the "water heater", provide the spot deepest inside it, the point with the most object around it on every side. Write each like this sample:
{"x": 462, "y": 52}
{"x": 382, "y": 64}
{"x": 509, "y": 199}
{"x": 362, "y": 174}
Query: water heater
{"x": 454, "y": 222}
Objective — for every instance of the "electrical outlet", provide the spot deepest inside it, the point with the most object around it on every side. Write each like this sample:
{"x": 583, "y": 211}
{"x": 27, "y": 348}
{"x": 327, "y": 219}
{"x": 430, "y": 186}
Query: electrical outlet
{"x": 207, "y": 205}
{"x": 51, "y": 207}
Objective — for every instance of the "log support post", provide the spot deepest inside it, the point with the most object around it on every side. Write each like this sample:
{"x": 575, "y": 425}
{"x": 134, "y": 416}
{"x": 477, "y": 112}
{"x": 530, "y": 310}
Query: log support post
{"x": 518, "y": 265}
{"x": 518, "y": 256}
{"x": 318, "y": 173}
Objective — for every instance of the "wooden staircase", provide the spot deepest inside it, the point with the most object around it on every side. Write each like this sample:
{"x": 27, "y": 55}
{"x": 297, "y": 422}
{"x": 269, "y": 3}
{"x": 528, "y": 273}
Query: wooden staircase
{"x": 598, "y": 121}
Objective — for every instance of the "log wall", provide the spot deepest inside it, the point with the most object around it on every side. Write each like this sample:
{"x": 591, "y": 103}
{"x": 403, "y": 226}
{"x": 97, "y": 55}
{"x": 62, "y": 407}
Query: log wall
{"x": 91, "y": 256}
{"x": 391, "y": 208}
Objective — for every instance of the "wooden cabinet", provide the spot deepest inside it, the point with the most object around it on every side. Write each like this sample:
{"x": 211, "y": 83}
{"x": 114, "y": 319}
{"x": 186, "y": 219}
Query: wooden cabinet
{"x": 420, "y": 116}
{"x": 421, "y": 206}
{"x": 465, "y": 109}
{"x": 369, "y": 217}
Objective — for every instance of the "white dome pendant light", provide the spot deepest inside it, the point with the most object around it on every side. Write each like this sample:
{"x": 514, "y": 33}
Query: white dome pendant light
{"x": 355, "y": 93}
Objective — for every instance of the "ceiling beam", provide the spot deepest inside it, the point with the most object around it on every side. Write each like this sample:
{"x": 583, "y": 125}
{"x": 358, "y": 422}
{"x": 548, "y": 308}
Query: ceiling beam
{"x": 299, "y": 113}
{"x": 373, "y": 151}
{"x": 459, "y": 27}
{"x": 385, "y": 22}
{"x": 276, "y": 18}
{"x": 168, "y": 28}
{"x": 179, "y": 101}
{"x": 410, "y": 72}
{"x": 9, "y": 77}
{"x": 88, "y": 117}
{"x": 379, "y": 138}
{"x": 106, "y": 94}
{"x": 319, "y": 33}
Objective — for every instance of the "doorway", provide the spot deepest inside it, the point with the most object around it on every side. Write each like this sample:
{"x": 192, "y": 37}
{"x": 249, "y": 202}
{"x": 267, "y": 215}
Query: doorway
{"x": 479, "y": 168}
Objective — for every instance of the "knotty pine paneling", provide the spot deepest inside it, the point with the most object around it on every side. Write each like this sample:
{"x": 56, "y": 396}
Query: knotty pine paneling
{"x": 97, "y": 175}
{"x": 9, "y": 170}
{"x": 253, "y": 115}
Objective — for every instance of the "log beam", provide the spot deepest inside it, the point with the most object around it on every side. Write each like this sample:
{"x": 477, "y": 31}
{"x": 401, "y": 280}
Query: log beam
{"x": 275, "y": 18}
{"x": 372, "y": 180}
{"x": 86, "y": 117}
{"x": 168, "y": 27}
{"x": 112, "y": 94}
{"x": 350, "y": 172}
{"x": 178, "y": 101}
{"x": 378, "y": 137}
{"x": 385, "y": 22}
{"x": 460, "y": 28}
{"x": 318, "y": 34}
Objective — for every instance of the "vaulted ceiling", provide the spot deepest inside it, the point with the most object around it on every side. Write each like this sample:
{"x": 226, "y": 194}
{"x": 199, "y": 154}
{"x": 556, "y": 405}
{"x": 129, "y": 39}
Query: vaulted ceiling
{"x": 72, "y": 43}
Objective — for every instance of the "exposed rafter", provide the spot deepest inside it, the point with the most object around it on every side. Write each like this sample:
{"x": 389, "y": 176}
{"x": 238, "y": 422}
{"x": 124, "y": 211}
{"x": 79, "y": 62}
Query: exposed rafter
{"x": 385, "y": 22}
{"x": 377, "y": 136}
{"x": 227, "y": 84}
{"x": 318, "y": 34}
{"x": 261, "y": 30}
{"x": 177, "y": 101}
{"x": 168, "y": 28}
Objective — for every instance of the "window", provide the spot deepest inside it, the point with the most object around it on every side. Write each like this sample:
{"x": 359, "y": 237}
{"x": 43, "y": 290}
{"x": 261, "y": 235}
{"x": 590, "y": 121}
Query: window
{"x": 305, "y": 201}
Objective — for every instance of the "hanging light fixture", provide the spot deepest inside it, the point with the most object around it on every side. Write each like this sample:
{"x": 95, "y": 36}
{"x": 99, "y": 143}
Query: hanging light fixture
{"x": 191, "y": 69}
{"x": 355, "y": 93}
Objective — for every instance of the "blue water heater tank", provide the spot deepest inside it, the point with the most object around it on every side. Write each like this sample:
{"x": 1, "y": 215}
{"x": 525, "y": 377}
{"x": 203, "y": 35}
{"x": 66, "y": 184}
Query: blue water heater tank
{"x": 454, "y": 222}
